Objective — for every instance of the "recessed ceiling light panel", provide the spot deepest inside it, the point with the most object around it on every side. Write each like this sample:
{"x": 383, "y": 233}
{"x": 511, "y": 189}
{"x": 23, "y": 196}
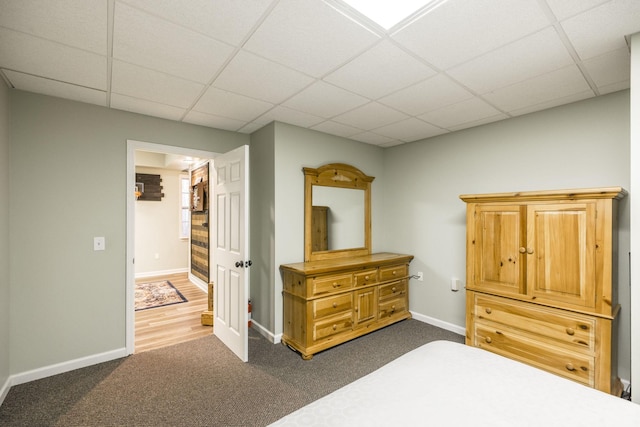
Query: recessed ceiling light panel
{"x": 388, "y": 13}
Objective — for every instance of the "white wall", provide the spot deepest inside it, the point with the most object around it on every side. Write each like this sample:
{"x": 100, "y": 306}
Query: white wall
{"x": 5, "y": 136}
{"x": 585, "y": 144}
{"x": 159, "y": 248}
{"x": 634, "y": 160}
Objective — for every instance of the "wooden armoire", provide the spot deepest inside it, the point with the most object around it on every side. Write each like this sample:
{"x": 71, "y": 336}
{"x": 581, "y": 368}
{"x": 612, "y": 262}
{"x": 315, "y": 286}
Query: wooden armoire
{"x": 542, "y": 280}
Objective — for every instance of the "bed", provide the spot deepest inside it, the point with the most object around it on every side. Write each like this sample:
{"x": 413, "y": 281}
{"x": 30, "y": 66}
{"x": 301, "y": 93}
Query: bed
{"x": 446, "y": 383}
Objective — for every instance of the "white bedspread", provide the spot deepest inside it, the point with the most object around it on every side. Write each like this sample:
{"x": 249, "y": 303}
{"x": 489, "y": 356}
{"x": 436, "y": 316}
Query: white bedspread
{"x": 450, "y": 384}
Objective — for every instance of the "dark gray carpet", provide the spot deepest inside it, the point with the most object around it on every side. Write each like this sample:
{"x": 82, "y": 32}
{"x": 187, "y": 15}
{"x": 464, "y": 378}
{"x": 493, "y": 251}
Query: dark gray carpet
{"x": 201, "y": 383}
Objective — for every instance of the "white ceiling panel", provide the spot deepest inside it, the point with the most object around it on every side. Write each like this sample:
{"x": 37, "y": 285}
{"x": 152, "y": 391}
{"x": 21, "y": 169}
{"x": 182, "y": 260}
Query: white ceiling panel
{"x": 41, "y": 57}
{"x": 241, "y": 64}
{"x": 602, "y": 29}
{"x": 409, "y": 130}
{"x": 259, "y": 78}
{"x": 460, "y": 30}
{"x": 221, "y": 103}
{"x": 431, "y": 94}
{"x": 88, "y": 32}
{"x": 538, "y": 90}
{"x": 325, "y": 100}
{"x": 370, "y": 116}
{"x": 143, "y": 39}
{"x": 149, "y": 108}
{"x": 514, "y": 62}
{"x": 138, "y": 82}
{"x": 49, "y": 87}
{"x": 563, "y": 9}
{"x": 309, "y": 36}
{"x": 381, "y": 70}
{"x": 226, "y": 20}
{"x": 210, "y": 120}
{"x": 455, "y": 115}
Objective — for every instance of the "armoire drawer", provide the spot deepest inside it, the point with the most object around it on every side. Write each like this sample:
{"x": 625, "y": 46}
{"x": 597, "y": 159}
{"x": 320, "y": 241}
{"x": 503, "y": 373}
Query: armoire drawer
{"x": 393, "y": 272}
{"x": 333, "y": 305}
{"x": 327, "y": 284}
{"x": 567, "y": 328}
{"x": 577, "y": 366}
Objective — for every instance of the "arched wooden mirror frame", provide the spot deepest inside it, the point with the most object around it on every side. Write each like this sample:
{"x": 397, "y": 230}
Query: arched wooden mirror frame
{"x": 338, "y": 175}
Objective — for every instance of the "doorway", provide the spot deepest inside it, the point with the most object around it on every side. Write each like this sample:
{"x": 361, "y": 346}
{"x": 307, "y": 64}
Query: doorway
{"x": 132, "y": 148}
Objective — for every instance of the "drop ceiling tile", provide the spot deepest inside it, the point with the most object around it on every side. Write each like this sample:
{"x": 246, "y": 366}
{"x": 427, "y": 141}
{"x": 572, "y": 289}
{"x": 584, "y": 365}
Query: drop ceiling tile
{"x": 251, "y": 128}
{"x": 256, "y": 77}
{"x": 379, "y": 71}
{"x": 221, "y": 103}
{"x": 528, "y": 57}
{"x": 610, "y": 68}
{"x": 49, "y": 87}
{"x": 338, "y": 129}
{"x": 460, "y": 30}
{"x": 211, "y": 120}
{"x": 373, "y": 138}
{"x": 370, "y": 116}
{"x": 324, "y": 100}
{"x": 602, "y": 29}
{"x": 554, "y": 102}
{"x": 227, "y": 20}
{"x": 539, "y": 90}
{"x": 479, "y": 122}
{"x": 141, "y": 106}
{"x": 455, "y": 115}
{"x": 563, "y": 9}
{"x": 146, "y": 40}
{"x": 287, "y": 115}
{"x": 142, "y": 83}
{"x": 309, "y": 36}
{"x": 428, "y": 95}
{"x": 50, "y": 20}
{"x": 32, "y": 55}
{"x": 410, "y": 130}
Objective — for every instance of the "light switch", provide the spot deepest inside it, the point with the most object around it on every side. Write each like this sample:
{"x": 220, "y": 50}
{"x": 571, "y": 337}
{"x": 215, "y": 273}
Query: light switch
{"x": 98, "y": 244}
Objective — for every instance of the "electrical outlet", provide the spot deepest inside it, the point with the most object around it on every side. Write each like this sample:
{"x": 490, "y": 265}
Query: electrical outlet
{"x": 420, "y": 277}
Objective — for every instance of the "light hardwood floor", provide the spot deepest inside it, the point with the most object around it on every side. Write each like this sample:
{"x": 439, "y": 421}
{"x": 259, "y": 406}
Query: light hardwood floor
{"x": 164, "y": 326}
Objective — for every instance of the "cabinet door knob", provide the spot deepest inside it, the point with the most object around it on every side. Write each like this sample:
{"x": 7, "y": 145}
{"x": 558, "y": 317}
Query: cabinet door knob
{"x": 529, "y": 251}
{"x": 522, "y": 250}
{"x": 488, "y": 340}
{"x": 488, "y": 310}
{"x": 570, "y": 331}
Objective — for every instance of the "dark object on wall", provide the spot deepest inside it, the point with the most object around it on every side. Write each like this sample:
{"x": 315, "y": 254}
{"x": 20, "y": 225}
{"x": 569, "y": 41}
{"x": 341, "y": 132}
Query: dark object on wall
{"x": 152, "y": 188}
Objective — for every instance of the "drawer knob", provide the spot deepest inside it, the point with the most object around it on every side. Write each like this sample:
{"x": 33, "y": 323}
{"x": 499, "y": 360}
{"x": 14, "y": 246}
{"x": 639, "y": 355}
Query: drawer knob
{"x": 335, "y": 305}
{"x": 393, "y": 289}
{"x": 335, "y": 327}
{"x": 393, "y": 308}
{"x": 488, "y": 340}
{"x": 394, "y": 272}
{"x": 570, "y": 331}
{"x": 570, "y": 367}
{"x": 335, "y": 284}
{"x": 488, "y": 310}
{"x": 366, "y": 277}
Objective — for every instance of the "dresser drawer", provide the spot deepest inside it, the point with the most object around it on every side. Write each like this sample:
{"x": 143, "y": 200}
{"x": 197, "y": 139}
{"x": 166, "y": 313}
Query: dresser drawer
{"x": 392, "y": 307}
{"x": 510, "y": 343}
{"x": 392, "y": 290}
{"x": 365, "y": 277}
{"x": 332, "y": 326}
{"x": 393, "y": 272}
{"x": 327, "y": 284}
{"x": 331, "y": 306}
{"x": 562, "y": 327}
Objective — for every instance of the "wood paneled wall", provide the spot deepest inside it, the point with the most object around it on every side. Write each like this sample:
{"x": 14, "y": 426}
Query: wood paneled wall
{"x": 200, "y": 227}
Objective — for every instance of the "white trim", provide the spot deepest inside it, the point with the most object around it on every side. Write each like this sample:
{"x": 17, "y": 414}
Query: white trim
{"x": 161, "y": 273}
{"x": 460, "y": 330}
{"x": 132, "y": 146}
{"x": 60, "y": 368}
{"x": 276, "y": 339}
{"x": 198, "y": 282}
{"x": 5, "y": 390}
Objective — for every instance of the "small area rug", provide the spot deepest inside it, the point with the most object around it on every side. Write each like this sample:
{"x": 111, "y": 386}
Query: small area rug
{"x": 157, "y": 294}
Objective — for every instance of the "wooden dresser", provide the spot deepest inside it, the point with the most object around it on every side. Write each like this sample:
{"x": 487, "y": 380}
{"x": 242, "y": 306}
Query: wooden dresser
{"x": 331, "y": 301}
{"x": 542, "y": 282}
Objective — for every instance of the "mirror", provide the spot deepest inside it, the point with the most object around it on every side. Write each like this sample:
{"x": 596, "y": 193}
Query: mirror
{"x": 337, "y": 212}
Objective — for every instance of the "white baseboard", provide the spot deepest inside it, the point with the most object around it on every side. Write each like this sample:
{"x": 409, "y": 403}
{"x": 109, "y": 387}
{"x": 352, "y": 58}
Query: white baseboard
{"x": 276, "y": 339}
{"x": 460, "y": 330}
{"x": 71, "y": 365}
{"x": 199, "y": 282}
{"x": 4, "y": 390}
{"x": 161, "y": 273}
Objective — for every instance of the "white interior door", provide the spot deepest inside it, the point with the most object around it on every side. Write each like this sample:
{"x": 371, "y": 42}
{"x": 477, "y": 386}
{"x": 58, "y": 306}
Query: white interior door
{"x": 229, "y": 258}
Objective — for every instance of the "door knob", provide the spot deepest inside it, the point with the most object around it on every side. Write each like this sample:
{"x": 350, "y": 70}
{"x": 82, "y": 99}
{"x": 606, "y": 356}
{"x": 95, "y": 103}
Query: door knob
{"x": 239, "y": 264}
